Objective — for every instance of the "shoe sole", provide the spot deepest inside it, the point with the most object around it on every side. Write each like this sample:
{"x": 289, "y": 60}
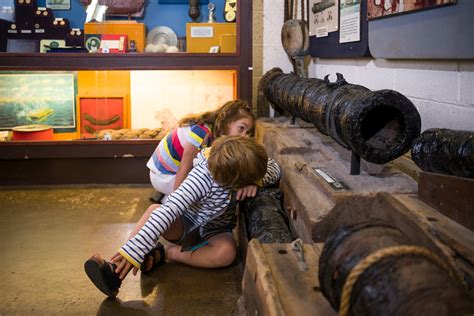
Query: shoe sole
{"x": 94, "y": 272}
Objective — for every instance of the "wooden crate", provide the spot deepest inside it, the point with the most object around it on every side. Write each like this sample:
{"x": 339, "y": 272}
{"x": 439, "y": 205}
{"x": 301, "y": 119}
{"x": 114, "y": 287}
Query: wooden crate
{"x": 273, "y": 283}
{"x": 135, "y": 31}
{"x": 200, "y": 37}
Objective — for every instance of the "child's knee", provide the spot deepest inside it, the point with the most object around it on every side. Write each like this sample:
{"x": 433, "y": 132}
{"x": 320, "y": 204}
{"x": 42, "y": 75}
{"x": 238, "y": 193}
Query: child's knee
{"x": 225, "y": 255}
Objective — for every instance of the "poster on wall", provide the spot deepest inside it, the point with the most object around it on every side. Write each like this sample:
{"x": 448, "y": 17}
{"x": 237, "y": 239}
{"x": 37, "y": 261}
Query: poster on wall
{"x": 384, "y": 8}
{"x": 324, "y": 17}
{"x": 37, "y": 99}
{"x": 350, "y": 21}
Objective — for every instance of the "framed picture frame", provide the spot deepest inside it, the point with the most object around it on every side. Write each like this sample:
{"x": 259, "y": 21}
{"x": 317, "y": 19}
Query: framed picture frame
{"x": 214, "y": 49}
{"x": 100, "y": 113}
{"x": 38, "y": 98}
{"x": 377, "y": 9}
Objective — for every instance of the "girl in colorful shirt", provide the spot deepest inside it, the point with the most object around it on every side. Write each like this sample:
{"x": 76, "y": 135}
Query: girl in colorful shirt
{"x": 201, "y": 207}
{"x": 172, "y": 160}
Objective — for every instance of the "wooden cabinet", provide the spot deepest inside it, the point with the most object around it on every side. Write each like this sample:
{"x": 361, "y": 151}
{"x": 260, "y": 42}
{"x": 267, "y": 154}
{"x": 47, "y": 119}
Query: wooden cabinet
{"x": 240, "y": 61}
{"x": 52, "y": 162}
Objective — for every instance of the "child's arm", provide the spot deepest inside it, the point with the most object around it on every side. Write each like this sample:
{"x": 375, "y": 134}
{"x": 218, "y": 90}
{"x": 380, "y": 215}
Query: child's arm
{"x": 189, "y": 153}
{"x": 245, "y": 192}
{"x": 123, "y": 266}
{"x": 194, "y": 187}
{"x": 273, "y": 173}
{"x": 198, "y": 136}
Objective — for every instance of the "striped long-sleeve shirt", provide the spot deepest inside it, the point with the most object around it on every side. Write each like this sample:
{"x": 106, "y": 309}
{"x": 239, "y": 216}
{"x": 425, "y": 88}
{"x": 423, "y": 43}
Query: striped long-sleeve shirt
{"x": 199, "y": 198}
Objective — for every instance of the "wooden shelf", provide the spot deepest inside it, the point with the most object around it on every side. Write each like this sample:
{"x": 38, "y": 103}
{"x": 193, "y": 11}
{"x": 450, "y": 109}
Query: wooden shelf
{"x": 75, "y": 162}
{"x": 81, "y": 161}
{"x": 77, "y": 149}
{"x": 138, "y": 61}
{"x": 240, "y": 61}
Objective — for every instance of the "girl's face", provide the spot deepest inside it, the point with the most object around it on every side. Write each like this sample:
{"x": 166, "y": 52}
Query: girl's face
{"x": 241, "y": 127}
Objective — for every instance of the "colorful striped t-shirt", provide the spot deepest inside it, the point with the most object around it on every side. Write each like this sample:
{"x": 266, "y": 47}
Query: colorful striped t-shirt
{"x": 167, "y": 156}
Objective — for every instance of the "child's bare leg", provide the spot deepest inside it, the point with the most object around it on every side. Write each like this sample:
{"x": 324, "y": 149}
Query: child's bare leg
{"x": 174, "y": 232}
{"x": 143, "y": 220}
{"x": 220, "y": 252}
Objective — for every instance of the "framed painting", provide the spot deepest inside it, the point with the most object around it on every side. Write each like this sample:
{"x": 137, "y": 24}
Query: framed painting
{"x": 47, "y": 98}
{"x": 383, "y": 8}
{"x": 97, "y": 114}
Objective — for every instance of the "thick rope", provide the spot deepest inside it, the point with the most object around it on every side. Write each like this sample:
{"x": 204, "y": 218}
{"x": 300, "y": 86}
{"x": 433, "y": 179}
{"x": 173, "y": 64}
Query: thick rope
{"x": 377, "y": 256}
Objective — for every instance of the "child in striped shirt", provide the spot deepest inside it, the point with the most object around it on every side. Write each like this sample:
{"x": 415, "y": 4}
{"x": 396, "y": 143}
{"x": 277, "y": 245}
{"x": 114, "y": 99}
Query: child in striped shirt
{"x": 201, "y": 209}
{"x": 172, "y": 160}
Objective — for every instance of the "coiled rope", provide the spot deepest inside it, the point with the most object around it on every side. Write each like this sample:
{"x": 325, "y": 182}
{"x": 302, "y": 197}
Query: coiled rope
{"x": 379, "y": 255}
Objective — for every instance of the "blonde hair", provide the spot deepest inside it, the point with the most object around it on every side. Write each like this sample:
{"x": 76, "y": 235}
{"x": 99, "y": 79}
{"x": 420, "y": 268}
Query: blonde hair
{"x": 237, "y": 161}
{"x": 220, "y": 119}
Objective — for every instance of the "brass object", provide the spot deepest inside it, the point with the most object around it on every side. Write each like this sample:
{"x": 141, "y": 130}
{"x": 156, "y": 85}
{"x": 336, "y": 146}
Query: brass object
{"x": 212, "y": 16}
{"x": 193, "y": 11}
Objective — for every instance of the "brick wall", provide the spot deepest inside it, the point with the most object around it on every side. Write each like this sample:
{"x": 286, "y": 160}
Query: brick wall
{"x": 442, "y": 90}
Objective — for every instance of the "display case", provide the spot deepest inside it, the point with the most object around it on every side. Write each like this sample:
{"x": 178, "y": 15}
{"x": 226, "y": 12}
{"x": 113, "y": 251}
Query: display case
{"x": 72, "y": 156}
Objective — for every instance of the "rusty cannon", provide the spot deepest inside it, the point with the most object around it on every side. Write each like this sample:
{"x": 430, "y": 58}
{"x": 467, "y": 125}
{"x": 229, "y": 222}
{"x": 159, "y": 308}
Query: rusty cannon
{"x": 378, "y": 126}
{"x": 373, "y": 268}
{"x": 265, "y": 219}
{"x": 445, "y": 151}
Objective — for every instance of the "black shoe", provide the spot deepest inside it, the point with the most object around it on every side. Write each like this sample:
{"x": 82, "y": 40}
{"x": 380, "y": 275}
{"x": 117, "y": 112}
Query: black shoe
{"x": 103, "y": 276}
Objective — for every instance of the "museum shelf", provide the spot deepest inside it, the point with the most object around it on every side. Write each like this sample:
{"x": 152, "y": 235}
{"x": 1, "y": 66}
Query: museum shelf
{"x": 98, "y": 161}
{"x": 116, "y": 161}
{"x": 129, "y": 61}
{"x": 75, "y": 162}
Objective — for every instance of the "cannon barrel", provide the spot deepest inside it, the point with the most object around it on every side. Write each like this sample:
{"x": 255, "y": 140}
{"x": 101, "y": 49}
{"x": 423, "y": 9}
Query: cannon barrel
{"x": 265, "y": 219}
{"x": 378, "y": 126}
{"x": 445, "y": 151}
{"x": 397, "y": 284}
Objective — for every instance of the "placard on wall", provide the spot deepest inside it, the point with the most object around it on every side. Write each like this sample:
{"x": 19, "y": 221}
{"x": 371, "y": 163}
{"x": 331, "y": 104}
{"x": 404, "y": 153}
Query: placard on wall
{"x": 330, "y": 47}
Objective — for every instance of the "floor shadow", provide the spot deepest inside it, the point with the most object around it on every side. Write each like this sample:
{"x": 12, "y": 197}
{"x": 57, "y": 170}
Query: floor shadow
{"x": 117, "y": 307}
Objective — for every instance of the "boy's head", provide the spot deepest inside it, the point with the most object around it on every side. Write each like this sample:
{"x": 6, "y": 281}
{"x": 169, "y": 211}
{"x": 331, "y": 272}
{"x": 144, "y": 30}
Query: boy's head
{"x": 237, "y": 161}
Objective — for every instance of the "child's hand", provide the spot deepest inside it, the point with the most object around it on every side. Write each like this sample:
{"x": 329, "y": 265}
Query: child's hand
{"x": 123, "y": 266}
{"x": 245, "y": 192}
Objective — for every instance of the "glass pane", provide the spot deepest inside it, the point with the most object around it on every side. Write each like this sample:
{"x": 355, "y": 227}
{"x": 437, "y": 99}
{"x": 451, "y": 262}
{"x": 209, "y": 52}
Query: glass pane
{"x": 89, "y": 104}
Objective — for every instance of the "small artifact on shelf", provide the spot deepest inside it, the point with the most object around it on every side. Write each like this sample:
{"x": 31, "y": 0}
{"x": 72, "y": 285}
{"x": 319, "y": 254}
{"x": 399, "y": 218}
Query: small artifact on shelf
{"x": 133, "y": 47}
{"x": 33, "y": 132}
{"x": 123, "y": 134}
{"x": 212, "y": 16}
{"x": 161, "y": 48}
{"x": 113, "y": 43}
{"x": 172, "y": 49}
{"x": 156, "y": 48}
{"x": 95, "y": 12}
{"x": 230, "y": 10}
{"x": 193, "y": 11}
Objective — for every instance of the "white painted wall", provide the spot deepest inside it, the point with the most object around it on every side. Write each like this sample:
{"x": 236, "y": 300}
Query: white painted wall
{"x": 273, "y": 53}
{"x": 442, "y": 90}
{"x": 164, "y": 96}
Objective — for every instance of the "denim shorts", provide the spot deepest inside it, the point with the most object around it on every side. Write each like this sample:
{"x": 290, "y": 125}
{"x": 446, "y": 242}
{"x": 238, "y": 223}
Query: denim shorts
{"x": 198, "y": 237}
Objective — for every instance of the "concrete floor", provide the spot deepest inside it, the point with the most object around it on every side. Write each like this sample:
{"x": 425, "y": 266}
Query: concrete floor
{"x": 46, "y": 234}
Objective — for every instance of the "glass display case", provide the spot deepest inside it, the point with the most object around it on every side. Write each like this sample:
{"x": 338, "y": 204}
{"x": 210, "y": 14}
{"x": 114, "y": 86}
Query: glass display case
{"x": 81, "y": 95}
